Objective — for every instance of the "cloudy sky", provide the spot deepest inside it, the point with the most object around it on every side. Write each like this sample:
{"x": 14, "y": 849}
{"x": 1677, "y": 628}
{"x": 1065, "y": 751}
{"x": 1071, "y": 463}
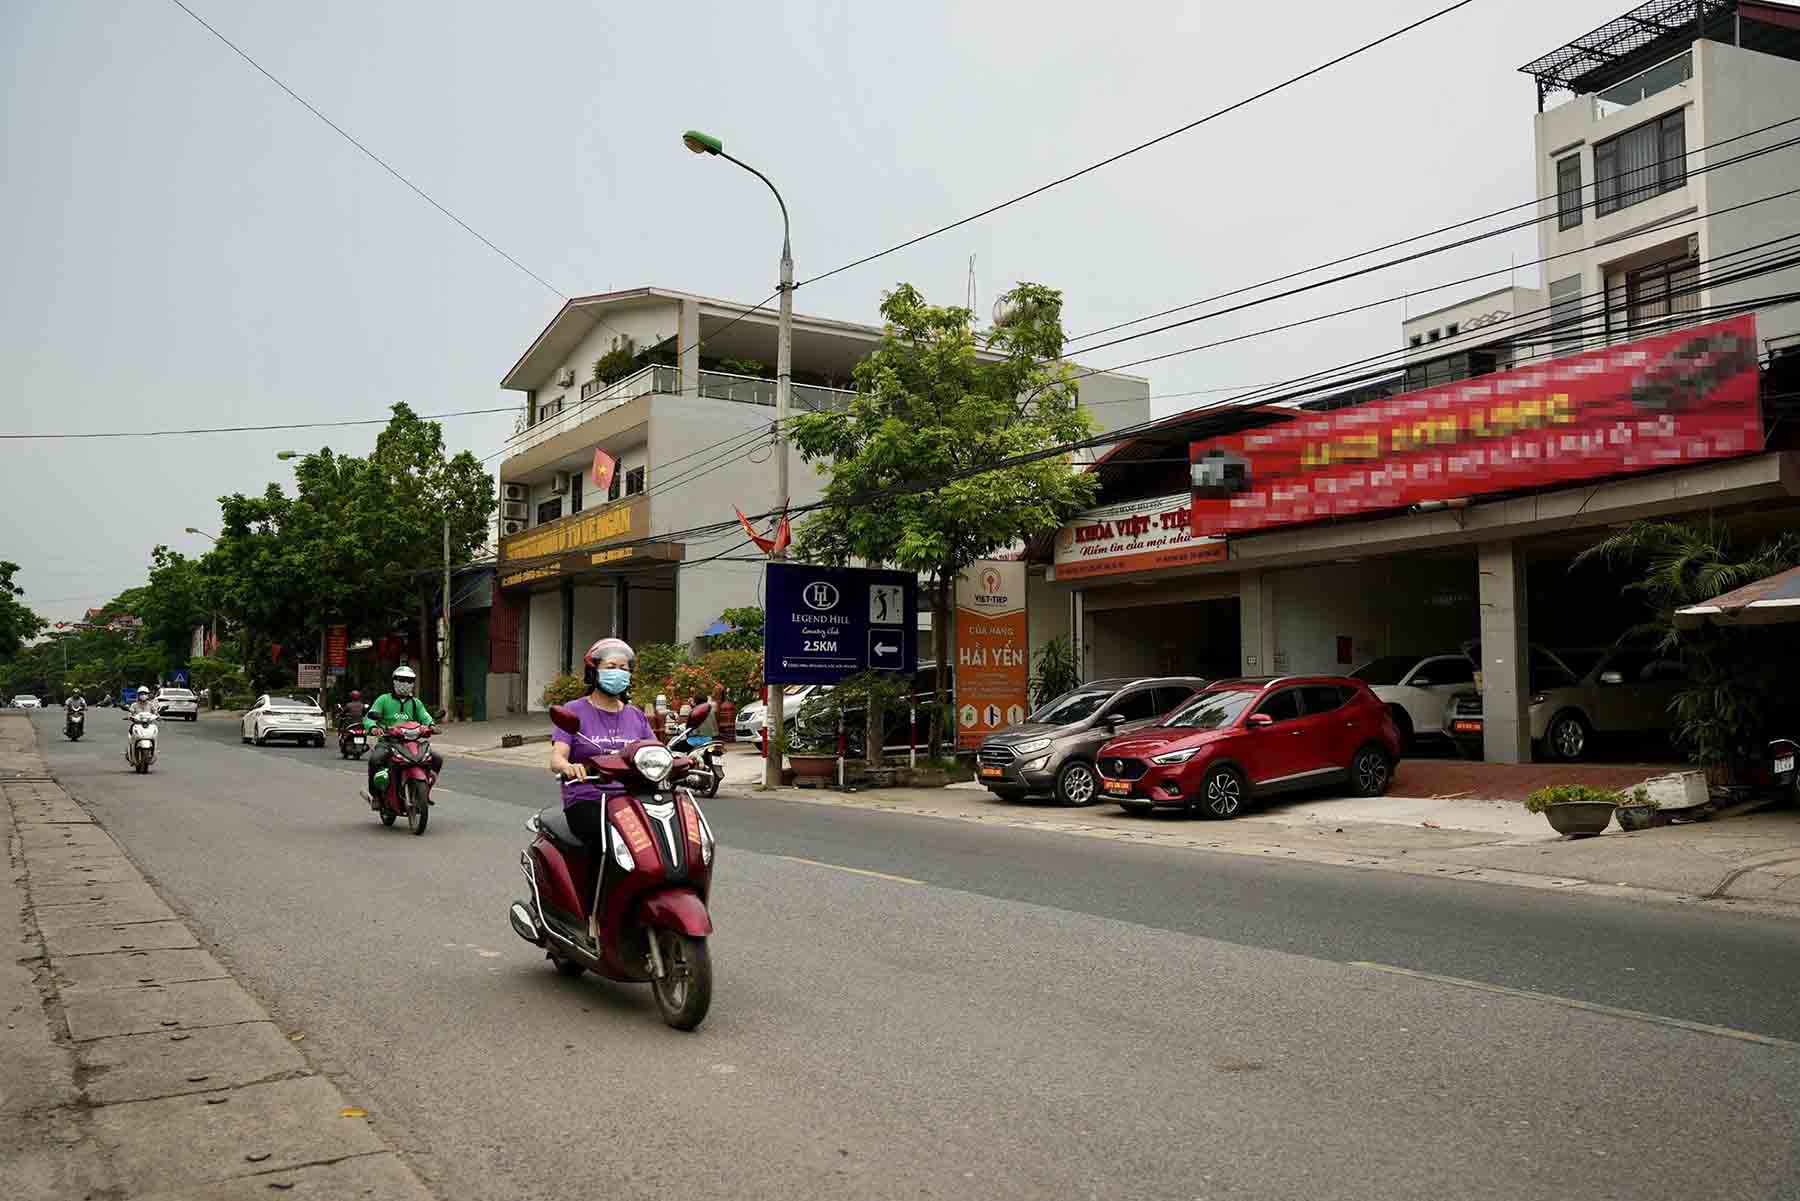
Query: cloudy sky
{"x": 187, "y": 246}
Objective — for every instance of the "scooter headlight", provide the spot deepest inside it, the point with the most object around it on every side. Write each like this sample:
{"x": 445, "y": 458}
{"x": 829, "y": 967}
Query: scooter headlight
{"x": 620, "y": 852}
{"x": 653, "y": 763}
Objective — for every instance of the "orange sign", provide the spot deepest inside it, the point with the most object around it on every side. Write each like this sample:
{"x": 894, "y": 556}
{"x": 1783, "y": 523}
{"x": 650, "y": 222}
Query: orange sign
{"x": 1138, "y": 535}
{"x": 993, "y": 650}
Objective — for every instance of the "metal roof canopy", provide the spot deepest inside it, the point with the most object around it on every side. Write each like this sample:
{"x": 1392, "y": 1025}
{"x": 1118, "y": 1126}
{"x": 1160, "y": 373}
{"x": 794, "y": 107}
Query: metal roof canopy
{"x": 1628, "y": 44}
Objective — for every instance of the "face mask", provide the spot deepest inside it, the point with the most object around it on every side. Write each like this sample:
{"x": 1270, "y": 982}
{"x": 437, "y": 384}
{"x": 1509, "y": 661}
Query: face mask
{"x": 614, "y": 680}
{"x": 401, "y": 689}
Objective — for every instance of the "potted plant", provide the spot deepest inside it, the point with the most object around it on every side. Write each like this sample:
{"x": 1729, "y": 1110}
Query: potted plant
{"x": 811, "y": 749}
{"x": 1637, "y": 810}
{"x": 1574, "y": 809}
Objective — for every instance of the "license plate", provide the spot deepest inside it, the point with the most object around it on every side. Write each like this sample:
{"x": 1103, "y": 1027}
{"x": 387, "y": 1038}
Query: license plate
{"x": 1117, "y": 787}
{"x": 1785, "y": 763}
{"x": 992, "y": 773}
{"x": 1466, "y": 727}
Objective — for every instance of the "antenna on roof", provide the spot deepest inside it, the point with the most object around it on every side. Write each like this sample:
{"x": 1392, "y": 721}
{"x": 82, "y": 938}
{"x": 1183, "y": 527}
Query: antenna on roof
{"x": 971, "y": 283}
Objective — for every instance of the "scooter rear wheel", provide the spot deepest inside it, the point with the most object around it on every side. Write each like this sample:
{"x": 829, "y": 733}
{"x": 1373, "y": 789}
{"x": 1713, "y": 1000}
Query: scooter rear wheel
{"x": 387, "y": 817}
{"x": 684, "y": 994}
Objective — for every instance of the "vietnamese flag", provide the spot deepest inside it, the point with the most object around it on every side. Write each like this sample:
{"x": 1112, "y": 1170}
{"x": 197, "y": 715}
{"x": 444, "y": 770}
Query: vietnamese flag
{"x": 604, "y": 466}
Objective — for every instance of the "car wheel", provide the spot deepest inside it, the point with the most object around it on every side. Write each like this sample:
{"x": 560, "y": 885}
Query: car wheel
{"x": 258, "y": 737}
{"x": 1221, "y": 792}
{"x": 1371, "y": 771}
{"x": 1567, "y": 737}
{"x": 1077, "y": 785}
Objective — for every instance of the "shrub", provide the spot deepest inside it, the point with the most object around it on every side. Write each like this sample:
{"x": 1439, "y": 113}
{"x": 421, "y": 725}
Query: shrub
{"x": 1056, "y": 671}
{"x": 560, "y": 690}
{"x": 656, "y": 662}
{"x": 1638, "y": 798}
{"x": 1560, "y": 794}
{"x": 740, "y": 671}
{"x": 687, "y": 681}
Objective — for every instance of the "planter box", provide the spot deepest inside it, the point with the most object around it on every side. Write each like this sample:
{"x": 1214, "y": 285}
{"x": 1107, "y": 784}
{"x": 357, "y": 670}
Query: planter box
{"x": 1678, "y": 790}
{"x": 814, "y": 771}
{"x": 1580, "y": 819}
{"x": 881, "y": 777}
{"x": 1636, "y": 817}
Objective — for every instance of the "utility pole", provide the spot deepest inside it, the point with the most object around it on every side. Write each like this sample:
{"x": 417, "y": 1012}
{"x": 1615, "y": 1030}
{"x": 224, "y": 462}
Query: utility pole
{"x": 444, "y": 631}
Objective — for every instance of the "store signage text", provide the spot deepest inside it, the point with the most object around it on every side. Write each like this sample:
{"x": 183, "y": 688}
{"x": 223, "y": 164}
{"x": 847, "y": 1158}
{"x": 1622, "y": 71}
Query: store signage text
{"x": 1682, "y": 397}
{"x": 993, "y": 649}
{"x": 1132, "y": 536}
{"x": 572, "y": 534}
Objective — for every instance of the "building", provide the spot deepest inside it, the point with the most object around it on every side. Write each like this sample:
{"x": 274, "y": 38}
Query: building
{"x": 678, "y": 390}
{"x": 1492, "y": 556}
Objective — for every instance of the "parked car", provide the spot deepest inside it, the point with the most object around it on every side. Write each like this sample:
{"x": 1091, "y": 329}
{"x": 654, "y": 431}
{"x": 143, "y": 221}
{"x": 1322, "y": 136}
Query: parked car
{"x": 1052, "y": 752}
{"x": 1576, "y": 695}
{"x": 754, "y": 716}
{"x": 283, "y": 717}
{"x": 27, "y": 701}
{"x": 1241, "y": 740}
{"x": 177, "y": 702}
{"x": 1416, "y": 688}
{"x": 897, "y": 734}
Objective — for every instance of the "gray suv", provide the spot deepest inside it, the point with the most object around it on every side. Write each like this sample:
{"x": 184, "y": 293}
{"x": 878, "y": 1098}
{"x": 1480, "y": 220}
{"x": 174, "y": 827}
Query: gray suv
{"x": 1052, "y": 753}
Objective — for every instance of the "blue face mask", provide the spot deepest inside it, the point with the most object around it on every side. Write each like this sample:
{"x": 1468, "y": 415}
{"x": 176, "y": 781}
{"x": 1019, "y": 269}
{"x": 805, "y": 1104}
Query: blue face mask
{"x": 614, "y": 680}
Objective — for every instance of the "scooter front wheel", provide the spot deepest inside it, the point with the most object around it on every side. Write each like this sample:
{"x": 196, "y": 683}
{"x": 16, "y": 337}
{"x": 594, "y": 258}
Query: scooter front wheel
{"x": 684, "y": 993}
{"x": 418, "y": 807}
{"x": 142, "y": 763}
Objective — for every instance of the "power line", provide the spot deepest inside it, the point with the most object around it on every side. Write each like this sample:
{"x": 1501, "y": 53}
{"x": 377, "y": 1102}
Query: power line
{"x": 252, "y": 429}
{"x": 1111, "y": 159}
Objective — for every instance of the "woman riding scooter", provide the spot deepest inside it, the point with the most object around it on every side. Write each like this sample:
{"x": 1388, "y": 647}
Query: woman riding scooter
{"x": 608, "y": 724}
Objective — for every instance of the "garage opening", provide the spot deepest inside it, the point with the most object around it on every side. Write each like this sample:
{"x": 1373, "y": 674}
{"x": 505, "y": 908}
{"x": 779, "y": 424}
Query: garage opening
{"x": 1186, "y": 638}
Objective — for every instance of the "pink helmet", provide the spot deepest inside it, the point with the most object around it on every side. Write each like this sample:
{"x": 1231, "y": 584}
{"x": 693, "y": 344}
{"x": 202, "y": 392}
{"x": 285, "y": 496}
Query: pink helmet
{"x": 609, "y": 646}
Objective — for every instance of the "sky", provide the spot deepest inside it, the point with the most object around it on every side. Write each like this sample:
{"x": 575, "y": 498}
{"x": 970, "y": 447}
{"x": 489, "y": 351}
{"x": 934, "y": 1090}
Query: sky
{"x": 186, "y": 246}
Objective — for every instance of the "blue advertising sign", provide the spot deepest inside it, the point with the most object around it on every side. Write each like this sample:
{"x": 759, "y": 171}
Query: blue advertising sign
{"x": 825, "y": 623}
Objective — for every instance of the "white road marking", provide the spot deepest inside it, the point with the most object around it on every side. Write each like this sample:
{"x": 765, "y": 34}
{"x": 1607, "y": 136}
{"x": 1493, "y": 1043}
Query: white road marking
{"x": 855, "y": 871}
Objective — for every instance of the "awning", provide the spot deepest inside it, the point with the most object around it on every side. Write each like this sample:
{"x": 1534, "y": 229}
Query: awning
{"x": 1767, "y": 602}
{"x": 718, "y": 627}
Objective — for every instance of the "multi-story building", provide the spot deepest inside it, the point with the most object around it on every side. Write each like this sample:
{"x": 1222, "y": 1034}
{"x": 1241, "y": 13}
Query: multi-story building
{"x": 678, "y": 389}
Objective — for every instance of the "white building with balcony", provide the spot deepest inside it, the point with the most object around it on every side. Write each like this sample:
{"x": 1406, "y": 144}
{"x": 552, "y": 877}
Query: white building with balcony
{"x": 679, "y": 390}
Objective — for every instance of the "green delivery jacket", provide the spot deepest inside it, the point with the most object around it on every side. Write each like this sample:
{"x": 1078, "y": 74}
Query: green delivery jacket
{"x": 390, "y": 711}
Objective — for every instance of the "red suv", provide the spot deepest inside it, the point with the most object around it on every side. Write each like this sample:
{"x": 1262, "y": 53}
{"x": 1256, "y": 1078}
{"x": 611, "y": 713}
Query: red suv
{"x": 1241, "y": 739}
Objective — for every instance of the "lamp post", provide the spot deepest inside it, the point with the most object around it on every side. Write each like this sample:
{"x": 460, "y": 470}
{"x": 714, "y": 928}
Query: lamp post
{"x": 215, "y": 613}
{"x": 703, "y": 143}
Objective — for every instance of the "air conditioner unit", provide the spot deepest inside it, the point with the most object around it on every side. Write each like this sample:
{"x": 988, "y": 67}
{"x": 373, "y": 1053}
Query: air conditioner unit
{"x": 565, "y": 378}
{"x": 559, "y": 485}
{"x": 513, "y": 510}
{"x": 512, "y": 527}
{"x": 1693, "y": 247}
{"x": 518, "y": 492}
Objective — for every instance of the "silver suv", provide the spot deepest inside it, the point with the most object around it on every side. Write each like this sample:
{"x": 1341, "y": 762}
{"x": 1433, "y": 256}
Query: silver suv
{"x": 1578, "y": 694}
{"x": 1052, "y": 752}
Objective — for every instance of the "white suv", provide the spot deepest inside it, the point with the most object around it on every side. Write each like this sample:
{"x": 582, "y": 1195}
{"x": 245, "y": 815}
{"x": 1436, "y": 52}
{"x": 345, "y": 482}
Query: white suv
{"x": 1415, "y": 688}
{"x": 177, "y": 702}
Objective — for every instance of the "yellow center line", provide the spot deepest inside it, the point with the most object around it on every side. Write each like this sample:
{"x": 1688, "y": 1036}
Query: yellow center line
{"x": 855, "y": 871}
{"x": 1631, "y": 1015}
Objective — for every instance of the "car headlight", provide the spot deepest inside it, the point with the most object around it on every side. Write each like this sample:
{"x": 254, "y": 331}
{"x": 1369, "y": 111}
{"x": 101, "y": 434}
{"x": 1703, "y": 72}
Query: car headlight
{"x": 1035, "y": 746}
{"x": 620, "y": 852}
{"x": 1181, "y": 756}
{"x": 653, "y": 763}
{"x": 1037, "y": 764}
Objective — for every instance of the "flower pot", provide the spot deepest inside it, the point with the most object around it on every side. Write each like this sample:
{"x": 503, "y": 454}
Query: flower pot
{"x": 816, "y": 768}
{"x": 1580, "y": 819}
{"x": 1635, "y": 817}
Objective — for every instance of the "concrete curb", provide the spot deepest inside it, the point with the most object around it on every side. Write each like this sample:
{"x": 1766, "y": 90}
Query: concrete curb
{"x": 160, "y": 1075}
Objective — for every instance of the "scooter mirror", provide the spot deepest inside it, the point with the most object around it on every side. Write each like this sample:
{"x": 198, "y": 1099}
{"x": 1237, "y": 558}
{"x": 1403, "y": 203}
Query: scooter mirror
{"x": 564, "y": 719}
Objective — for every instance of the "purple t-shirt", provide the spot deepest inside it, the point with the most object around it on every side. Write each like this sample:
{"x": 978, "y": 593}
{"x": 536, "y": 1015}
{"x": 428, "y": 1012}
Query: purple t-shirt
{"x": 610, "y": 732}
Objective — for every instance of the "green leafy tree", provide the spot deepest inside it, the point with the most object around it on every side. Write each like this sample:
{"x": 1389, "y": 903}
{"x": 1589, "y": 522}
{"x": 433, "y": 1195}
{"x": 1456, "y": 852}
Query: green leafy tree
{"x": 18, "y": 624}
{"x": 933, "y": 402}
{"x": 1733, "y": 674}
{"x": 747, "y": 631}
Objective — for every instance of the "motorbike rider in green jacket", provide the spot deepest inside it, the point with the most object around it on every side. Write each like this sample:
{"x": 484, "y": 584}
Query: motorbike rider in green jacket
{"x": 391, "y": 709}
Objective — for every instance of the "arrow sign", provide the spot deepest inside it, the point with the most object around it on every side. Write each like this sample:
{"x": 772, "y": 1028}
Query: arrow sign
{"x": 886, "y": 649}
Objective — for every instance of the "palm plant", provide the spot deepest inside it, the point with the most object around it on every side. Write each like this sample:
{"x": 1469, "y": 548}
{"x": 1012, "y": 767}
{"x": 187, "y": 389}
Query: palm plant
{"x": 1732, "y": 673}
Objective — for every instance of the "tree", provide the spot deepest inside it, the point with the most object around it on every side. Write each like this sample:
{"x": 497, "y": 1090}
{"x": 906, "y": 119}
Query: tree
{"x": 18, "y": 624}
{"x": 1734, "y": 675}
{"x": 932, "y": 403}
{"x": 746, "y": 633}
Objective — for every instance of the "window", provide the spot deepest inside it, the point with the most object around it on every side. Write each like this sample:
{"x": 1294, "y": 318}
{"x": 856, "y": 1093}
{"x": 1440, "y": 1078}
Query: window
{"x": 1452, "y": 669}
{"x": 1321, "y": 698}
{"x": 1565, "y": 313}
{"x": 1435, "y": 334}
{"x": 634, "y": 481}
{"x": 1641, "y": 163}
{"x": 1283, "y": 706}
{"x": 549, "y": 510}
{"x": 575, "y": 480}
{"x": 1170, "y": 699}
{"x": 1450, "y": 330}
{"x": 1656, "y": 293}
{"x": 1135, "y": 706}
{"x": 1568, "y": 191}
{"x": 1416, "y": 340}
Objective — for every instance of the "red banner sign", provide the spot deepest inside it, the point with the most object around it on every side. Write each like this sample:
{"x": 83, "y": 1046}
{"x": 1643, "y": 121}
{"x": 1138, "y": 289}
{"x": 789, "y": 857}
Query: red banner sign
{"x": 1677, "y": 398}
{"x": 337, "y": 648}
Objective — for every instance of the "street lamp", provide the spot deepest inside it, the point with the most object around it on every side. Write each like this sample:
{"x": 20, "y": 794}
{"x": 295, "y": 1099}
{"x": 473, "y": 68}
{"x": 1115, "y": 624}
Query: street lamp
{"x": 705, "y": 143}
{"x": 215, "y": 613}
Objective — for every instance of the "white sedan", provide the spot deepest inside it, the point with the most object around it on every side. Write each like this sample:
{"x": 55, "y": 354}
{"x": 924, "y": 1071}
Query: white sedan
{"x": 283, "y": 717}
{"x": 1416, "y": 688}
{"x": 26, "y": 701}
{"x": 177, "y": 702}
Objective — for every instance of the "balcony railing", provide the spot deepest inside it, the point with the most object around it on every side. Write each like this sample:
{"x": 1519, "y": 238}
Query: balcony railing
{"x": 597, "y": 398}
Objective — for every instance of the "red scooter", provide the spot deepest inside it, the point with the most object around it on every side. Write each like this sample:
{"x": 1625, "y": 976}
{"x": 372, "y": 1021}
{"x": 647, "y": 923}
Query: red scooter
{"x": 634, "y": 909}
{"x": 403, "y": 787}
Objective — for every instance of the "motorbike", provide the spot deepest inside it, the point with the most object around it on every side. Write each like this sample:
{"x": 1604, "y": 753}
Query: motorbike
{"x": 141, "y": 749}
{"x": 634, "y": 908}
{"x": 403, "y": 787}
{"x": 353, "y": 740}
{"x": 708, "y": 771}
{"x": 74, "y": 724}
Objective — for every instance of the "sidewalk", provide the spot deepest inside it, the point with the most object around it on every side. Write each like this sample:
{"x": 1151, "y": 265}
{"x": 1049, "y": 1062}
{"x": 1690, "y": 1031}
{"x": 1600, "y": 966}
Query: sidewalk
{"x": 135, "y": 1066}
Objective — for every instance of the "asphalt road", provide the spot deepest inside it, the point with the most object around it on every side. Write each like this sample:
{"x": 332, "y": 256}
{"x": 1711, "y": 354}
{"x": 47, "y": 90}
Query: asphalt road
{"x": 993, "y": 1013}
